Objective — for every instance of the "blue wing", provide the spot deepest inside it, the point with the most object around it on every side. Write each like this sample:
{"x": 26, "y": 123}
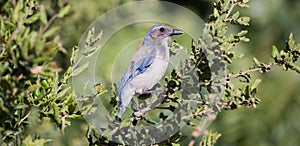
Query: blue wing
{"x": 145, "y": 64}
{"x": 138, "y": 65}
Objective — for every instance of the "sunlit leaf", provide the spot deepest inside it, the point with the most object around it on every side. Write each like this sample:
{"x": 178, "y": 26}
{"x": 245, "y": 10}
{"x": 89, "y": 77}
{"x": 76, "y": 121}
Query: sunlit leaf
{"x": 255, "y": 84}
{"x": 51, "y": 31}
{"x": 63, "y": 11}
{"x": 32, "y": 18}
{"x": 43, "y": 16}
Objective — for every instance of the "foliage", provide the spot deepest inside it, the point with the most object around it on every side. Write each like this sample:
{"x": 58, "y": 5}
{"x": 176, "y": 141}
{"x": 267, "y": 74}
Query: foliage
{"x": 34, "y": 97}
{"x": 240, "y": 88}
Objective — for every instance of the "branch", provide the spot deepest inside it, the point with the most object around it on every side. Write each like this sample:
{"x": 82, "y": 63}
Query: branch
{"x": 200, "y": 129}
{"x": 49, "y": 23}
{"x": 3, "y": 51}
{"x": 52, "y": 19}
{"x": 241, "y": 73}
{"x": 233, "y": 4}
{"x": 24, "y": 118}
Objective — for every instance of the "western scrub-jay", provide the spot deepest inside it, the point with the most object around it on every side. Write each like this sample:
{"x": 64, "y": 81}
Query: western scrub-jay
{"x": 147, "y": 66}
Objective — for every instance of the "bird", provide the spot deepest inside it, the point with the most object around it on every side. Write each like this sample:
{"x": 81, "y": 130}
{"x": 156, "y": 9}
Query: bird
{"x": 147, "y": 66}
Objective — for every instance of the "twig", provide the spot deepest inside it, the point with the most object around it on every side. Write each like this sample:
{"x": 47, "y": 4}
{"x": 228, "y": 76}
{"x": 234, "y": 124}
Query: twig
{"x": 3, "y": 51}
{"x": 79, "y": 60}
{"x": 51, "y": 20}
{"x": 14, "y": 3}
{"x": 200, "y": 129}
{"x": 233, "y": 4}
{"x": 196, "y": 65}
{"x": 63, "y": 123}
{"x": 25, "y": 117}
{"x": 49, "y": 23}
{"x": 241, "y": 73}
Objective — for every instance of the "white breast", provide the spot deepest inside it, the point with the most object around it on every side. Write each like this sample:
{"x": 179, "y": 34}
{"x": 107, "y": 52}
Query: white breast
{"x": 154, "y": 73}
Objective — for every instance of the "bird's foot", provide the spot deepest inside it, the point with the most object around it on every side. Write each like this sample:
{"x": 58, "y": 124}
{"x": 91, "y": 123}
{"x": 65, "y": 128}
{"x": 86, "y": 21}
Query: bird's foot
{"x": 135, "y": 106}
{"x": 137, "y": 116}
{"x": 141, "y": 112}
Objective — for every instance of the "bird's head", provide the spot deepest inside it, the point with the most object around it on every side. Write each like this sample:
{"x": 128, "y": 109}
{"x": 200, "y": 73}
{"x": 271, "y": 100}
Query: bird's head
{"x": 162, "y": 31}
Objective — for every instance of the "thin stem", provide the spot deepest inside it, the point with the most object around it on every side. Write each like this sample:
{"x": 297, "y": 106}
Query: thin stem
{"x": 24, "y": 118}
{"x": 241, "y": 73}
{"x": 77, "y": 63}
{"x": 49, "y": 23}
{"x": 63, "y": 123}
{"x": 52, "y": 19}
{"x": 200, "y": 129}
{"x": 233, "y": 4}
{"x": 3, "y": 51}
{"x": 14, "y": 3}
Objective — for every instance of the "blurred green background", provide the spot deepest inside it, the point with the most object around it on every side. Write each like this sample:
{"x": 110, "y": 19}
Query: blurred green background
{"x": 276, "y": 120}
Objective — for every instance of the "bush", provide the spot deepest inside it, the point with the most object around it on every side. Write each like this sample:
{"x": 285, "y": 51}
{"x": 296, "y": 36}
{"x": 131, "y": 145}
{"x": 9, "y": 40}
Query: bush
{"x": 33, "y": 96}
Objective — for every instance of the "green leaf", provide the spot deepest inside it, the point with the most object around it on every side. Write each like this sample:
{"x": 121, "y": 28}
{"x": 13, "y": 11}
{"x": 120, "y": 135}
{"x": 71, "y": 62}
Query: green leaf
{"x": 17, "y": 11}
{"x": 283, "y": 55}
{"x": 4, "y": 67}
{"x": 256, "y": 62}
{"x": 244, "y": 21}
{"x": 294, "y": 67}
{"x": 45, "y": 84}
{"x": 74, "y": 116}
{"x": 43, "y": 16}
{"x": 242, "y": 33}
{"x": 63, "y": 11}
{"x": 291, "y": 41}
{"x": 55, "y": 82}
{"x": 236, "y": 15}
{"x": 90, "y": 36}
{"x": 73, "y": 55}
{"x": 21, "y": 106}
{"x": 245, "y": 39}
{"x": 99, "y": 36}
{"x": 51, "y": 31}
{"x": 210, "y": 139}
{"x": 275, "y": 52}
{"x": 80, "y": 69}
{"x": 238, "y": 55}
{"x": 255, "y": 84}
{"x": 3, "y": 107}
{"x": 56, "y": 113}
{"x": 91, "y": 51}
{"x": 28, "y": 141}
{"x": 33, "y": 18}
{"x": 244, "y": 5}
{"x": 64, "y": 92}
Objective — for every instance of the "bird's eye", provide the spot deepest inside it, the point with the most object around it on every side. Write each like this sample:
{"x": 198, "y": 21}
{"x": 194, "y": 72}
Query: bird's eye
{"x": 162, "y": 29}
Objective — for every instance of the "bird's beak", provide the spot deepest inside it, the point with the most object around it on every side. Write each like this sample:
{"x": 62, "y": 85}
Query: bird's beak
{"x": 176, "y": 32}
